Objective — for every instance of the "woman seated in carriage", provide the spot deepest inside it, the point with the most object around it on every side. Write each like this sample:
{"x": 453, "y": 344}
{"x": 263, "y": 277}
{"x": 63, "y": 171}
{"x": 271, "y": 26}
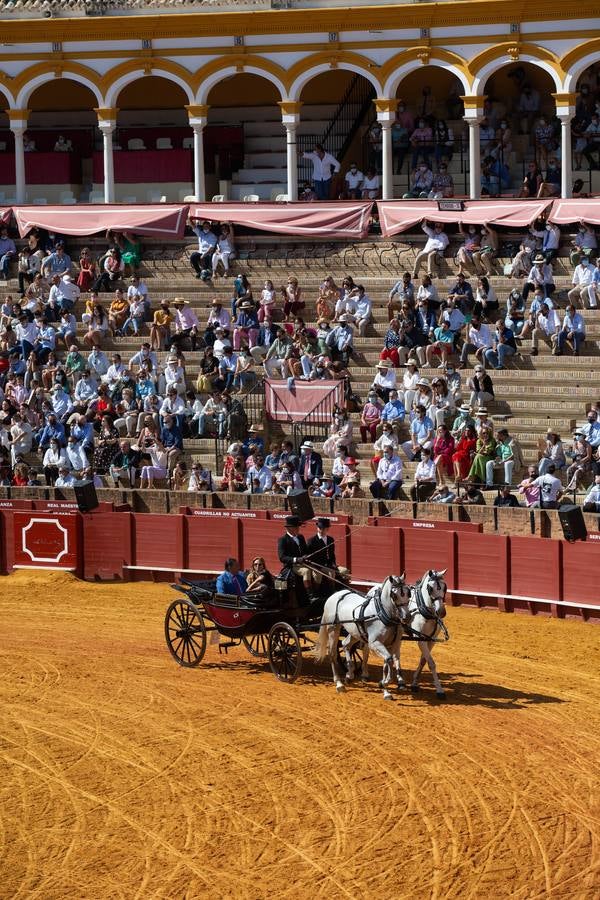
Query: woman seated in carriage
{"x": 260, "y": 581}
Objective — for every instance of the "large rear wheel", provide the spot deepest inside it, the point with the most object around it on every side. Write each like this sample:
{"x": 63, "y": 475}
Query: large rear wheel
{"x": 185, "y": 633}
{"x": 285, "y": 653}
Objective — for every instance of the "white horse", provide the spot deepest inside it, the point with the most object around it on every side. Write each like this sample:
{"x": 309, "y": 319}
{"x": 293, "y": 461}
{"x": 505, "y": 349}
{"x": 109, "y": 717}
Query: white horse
{"x": 374, "y": 620}
{"x": 426, "y": 609}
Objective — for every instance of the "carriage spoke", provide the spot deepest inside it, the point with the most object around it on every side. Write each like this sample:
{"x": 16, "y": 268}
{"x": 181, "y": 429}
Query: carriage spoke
{"x": 185, "y": 633}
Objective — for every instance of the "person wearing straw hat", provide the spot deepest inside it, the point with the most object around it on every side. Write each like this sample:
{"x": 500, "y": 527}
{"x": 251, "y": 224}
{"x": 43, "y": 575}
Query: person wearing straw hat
{"x": 186, "y": 325}
{"x": 339, "y": 341}
{"x": 384, "y": 380}
{"x": 310, "y": 465}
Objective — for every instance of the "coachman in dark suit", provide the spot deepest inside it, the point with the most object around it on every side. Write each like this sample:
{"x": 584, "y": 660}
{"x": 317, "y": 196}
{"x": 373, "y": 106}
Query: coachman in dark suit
{"x": 291, "y": 549}
{"x": 321, "y": 551}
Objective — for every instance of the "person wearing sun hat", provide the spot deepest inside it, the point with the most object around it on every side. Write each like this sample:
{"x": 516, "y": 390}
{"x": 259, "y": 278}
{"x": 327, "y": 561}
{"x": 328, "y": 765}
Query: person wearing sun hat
{"x": 384, "y": 380}
{"x": 186, "y": 325}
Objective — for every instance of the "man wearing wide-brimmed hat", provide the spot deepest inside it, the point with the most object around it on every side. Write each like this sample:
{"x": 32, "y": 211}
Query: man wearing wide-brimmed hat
{"x": 310, "y": 465}
{"x": 186, "y": 325}
{"x": 340, "y": 339}
{"x": 384, "y": 380}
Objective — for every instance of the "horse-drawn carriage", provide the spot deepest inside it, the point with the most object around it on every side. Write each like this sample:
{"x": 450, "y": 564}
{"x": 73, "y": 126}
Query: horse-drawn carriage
{"x": 277, "y": 627}
{"x": 283, "y": 625}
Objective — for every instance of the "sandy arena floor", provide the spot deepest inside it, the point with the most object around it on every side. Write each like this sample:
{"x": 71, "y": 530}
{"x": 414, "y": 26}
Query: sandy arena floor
{"x": 123, "y": 775}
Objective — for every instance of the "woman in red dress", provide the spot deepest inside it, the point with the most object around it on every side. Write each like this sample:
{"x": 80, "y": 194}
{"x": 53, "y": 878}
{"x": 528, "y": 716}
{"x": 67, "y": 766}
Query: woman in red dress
{"x": 464, "y": 453}
{"x": 87, "y": 271}
{"x": 443, "y": 449}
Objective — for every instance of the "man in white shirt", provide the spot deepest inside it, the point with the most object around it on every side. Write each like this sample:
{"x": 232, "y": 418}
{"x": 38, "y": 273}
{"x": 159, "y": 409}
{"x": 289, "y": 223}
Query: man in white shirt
{"x": 592, "y": 498}
{"x": 218, "y": 317}
{"x": 259, "y": 478}
{"x": 479, "y": 339}
{"x": 86, "y": 389}
{"x": 137, "y": 286}
{"x": 437, "y": 241}
{"x": 221, "y": 342}
{"x": 389, "y": 476}
{"x": 98, "y": 362}
{"x": 214, "y": 412}
{"x": 546, "y": 329}
{"x": 324, "y": 166}
{"x": 583, "y": 284}
{"x": 174, "y": 375}
{"x": 76, "y": 455}
{"x": 572, "y": 331}
{"x": 68, "y": 293}
{"x": 65, "y": 478}
{"x": 353, "y": 181}
{"x": 371, "y": 187}
{"x": 550, "y": 489}
{"x": 200, "y": 260}
{"x": 26, "y": 333}
{"x": 144, "y": 357}
{"x": 363, "y": 313}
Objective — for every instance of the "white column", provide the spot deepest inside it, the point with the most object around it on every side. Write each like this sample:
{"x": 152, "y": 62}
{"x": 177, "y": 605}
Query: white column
{"x": 18, "y": 126}
{"x": 198, "y": 118}
{"x": 107, "y": 129}
{"x": 474, "y": 157}
{"x": 107, "y": 122}
{"x": 386, "y": 116}
{"x": 565, "y": 110}
{"x": 290, "y": 117}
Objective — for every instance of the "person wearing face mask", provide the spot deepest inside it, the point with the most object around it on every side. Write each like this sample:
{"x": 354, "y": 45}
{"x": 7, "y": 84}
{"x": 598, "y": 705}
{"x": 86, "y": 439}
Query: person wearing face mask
{"x": 592, "y": 135}
{"x": 584, "y": 244}
{"x": 543, "y": 136}
{"x": 470, "y": 246}
{"x": 583, "y": 284}
{"x": 550, "y": 186}
{"x": 421, "y": 141}
{"x": 421, "y": 182}
{"x": 200, "y": 260}
{"x": 353, "y": 183}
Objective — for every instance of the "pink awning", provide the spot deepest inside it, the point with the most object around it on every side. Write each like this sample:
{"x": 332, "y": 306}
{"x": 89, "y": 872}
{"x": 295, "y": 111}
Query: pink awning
{"x": 564, "y": 212}
{"x": 317, "y": 398}
{"x": 317, "y": 220}
{"x": 162, "y": 220}
{"x": 5, "y": 214}
{"x": 396, "y": 216}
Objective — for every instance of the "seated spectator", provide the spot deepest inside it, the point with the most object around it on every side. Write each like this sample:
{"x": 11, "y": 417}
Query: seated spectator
{"x": 370, "y": 418}
{"x": 543, "y": 136}
{"x": 371, "y": 186}
{"x": 460, "y": 296}
{"x": 471, "y": 497}
{"x": 582, "y": 456}
{"x": 259, "y": 478}
{"x": 505, "y": 498}
{"x": 503, "y": 144}
{"x": 136, "y": 317}
{"x": 550, "y": 186}
{"x": 246, "y": 326}
{"x": 161, "y": 326}
{"x": 503, "y": 346}
{"x": 394, "y": 411}
{"x": 585, "y": 244}
{"x": 485, "y": 451}
{"x": 353, "y": 181}
{"x": 124, "y": 465}
{"x": 488, "y": 249}
{"x": 442, "y": 401}
{"x": 118, "y": 312}
{"x": 552, "y": 454}
{"x": 267, "y": 303}
{"x": 515, "y": 312}
{"x": 200, "y": 480}
{"x": 340, "y": 434}
{"x": 55, "y": 457}
{"x": 424, "y": 478}
{"x": 486, "y": 301}
{"x": 340, "y": 341}
{"x": 442, "y": 344}
{"x": 363, "y": 312}
{"x": 87, "y": 270}
{"x": 213, "y": 415}
{"x": 471, "y": 244}
{"x": 547, "y": 327}
{"x": 307, "y": 194}
{"x": 8, "y": 252}
{"x": 540, "y": 276}
{"x": 200, "y": 259}
{"x": 592, "y": 498}
{"x": 157, "y": 470}
{"x": 387, "y": 437}
{"x": 112, "y": 270}
{"x": 584, "y": 285}
{"x": 280, "y": 350}
{"x": 443, "y": 450}
{"x": 421, "y": 434}
{"x": 56, "y": 263}
{"x": 572, "y": 333}
{"x": 479, "y": 339}
{"x": 187, "y": 326}
{"x": 310, "y": 465}
{"x": 505, "y": 458}
{"x": 528, "y": 108}
{"x": 224, "y": 249}
{"x": 403, "y": 292}
{"x": 495, "y": 176}
{"x": 421, "y": 182}
{"x": 384, "y": 380}
{"x": 244, "y": 376}
{"x": 465, "y": 445}
{"x": 329, "y": 294}
{"x": 63, "y": 144}
{"x": 592, "y": 136}
{"x": 444, "y": 494}
{"x": 389, "y": 476}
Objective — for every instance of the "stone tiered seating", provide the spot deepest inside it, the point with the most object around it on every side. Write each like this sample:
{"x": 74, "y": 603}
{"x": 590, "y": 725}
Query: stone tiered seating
{"x": 535, "y": 393}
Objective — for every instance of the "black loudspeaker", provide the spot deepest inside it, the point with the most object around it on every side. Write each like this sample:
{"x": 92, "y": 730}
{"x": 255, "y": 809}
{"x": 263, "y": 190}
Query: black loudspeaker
{"x": 86, "y": 496}
{"x": 300, "y": 505}
{"x": 573, "y": 523}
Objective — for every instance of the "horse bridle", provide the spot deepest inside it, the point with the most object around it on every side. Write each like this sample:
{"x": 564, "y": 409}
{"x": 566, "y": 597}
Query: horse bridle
{"x": 425, "y": 611}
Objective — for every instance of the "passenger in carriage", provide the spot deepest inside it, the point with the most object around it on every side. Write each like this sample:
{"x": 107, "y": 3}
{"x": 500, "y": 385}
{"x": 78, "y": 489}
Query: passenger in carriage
{"x": 260, "y": 581}
{"x": 232, "y": 580}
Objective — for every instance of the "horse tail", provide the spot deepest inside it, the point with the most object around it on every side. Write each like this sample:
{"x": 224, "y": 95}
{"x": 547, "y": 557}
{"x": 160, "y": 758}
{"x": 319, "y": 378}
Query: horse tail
{"x": 321, "y": 648}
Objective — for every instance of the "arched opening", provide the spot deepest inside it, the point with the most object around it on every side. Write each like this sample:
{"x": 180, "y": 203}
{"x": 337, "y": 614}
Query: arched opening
{"x": 244, "y": 141}
{"x": 585, "y": 127}
{"x": 338, "y": 113}
{"x": 7, "y": 146}
{"x": 429, "y": 129}
{"x": 151, "y": 120}
{"x": 521, "y": 124}
{"x": 61, "y": 137}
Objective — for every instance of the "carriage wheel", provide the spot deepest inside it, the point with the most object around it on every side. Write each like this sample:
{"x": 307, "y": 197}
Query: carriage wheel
{"x": 185, "y": 633}
{"x": 257, "y": 645}
{"x": 285, "y": 653}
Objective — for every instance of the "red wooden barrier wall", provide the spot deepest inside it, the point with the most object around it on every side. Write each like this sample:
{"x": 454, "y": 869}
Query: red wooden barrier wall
{"x": 486, "y": 570}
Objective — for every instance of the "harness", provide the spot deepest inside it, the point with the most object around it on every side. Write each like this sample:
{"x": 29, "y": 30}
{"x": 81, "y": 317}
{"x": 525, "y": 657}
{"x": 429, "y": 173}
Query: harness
{"x": 428, "y": 614}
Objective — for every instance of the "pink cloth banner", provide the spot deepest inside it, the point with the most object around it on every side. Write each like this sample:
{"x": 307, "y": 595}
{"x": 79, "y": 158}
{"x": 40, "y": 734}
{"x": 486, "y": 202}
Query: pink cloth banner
{"x": 317, "y": 220}
{"x": 162, "y": 220}
{"x": 5, "y": 214}
{"x": 397, "y": 216}
{"x": 565, "y": 212}
{"x": 315, "y": 397}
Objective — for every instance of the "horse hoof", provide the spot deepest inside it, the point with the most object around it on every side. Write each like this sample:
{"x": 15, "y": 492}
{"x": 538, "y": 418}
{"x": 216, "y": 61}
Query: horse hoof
{"x": 401, "y": 687}
{"x": 387, "y": 696}
{"x": 381, "y": 684}
{"x": 414, "y": 688}
{"x": 349, "y": 679}
{"x": 440, "y": 695}
{"x": 340, "y": 688}
{"x": 364, "y": 678}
